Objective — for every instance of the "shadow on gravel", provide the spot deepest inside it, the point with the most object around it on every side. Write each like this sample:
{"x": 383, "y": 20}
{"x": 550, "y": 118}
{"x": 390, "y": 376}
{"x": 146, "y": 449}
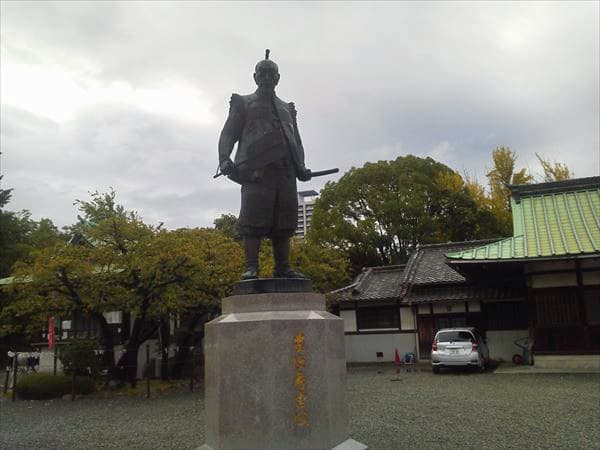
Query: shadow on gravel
{"x": 420, "y": 367}
{"x": 464, "y": 371}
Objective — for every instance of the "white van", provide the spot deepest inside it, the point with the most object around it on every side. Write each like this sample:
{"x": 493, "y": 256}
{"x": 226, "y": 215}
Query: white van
{"x": 459, "y": 347}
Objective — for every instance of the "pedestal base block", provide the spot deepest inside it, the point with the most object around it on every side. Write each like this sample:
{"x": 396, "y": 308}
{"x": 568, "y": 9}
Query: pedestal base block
{"x": 272, "y": 285}
{"x": 276, "y": 375}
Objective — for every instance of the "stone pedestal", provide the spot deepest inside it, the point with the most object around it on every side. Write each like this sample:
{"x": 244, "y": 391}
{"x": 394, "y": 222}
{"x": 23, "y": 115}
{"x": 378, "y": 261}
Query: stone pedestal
{"x": 276, "y": 375}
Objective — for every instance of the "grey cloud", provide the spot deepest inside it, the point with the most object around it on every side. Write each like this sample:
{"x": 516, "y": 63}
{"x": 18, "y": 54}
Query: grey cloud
{"x": 144, "y": 157}
{"x": 370, "y": 81}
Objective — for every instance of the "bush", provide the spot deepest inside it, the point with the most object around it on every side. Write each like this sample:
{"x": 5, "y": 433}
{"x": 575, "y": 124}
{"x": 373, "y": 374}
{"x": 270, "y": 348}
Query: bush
{"x": 40, "y": 386}
{"x": 80, "y": 355}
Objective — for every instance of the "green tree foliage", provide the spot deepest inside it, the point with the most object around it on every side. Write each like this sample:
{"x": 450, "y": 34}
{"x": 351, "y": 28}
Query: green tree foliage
{"x": 328, "y": 268}
{"x": 123, "y": 264}
{"x": 379, "y": 213}
{"x": 20, "y": 234}
{"x": 43, "y": 386}
{"x": 80, "y": 356}
{"x": 469, "y": 211}
{"x": 555, "y": 171}
{"x": 5, "y": 195}
{"x": 226, "y": 224}
{"x": 12, "y": 242}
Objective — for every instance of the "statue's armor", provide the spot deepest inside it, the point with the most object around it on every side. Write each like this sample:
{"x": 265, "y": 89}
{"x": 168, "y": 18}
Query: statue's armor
{"x": 268, "y": 159}
{"x": 258, "y": 132}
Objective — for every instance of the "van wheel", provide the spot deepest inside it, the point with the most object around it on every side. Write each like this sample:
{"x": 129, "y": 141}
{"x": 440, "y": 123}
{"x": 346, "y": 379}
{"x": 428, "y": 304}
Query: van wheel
{"x": 435, "y": 369}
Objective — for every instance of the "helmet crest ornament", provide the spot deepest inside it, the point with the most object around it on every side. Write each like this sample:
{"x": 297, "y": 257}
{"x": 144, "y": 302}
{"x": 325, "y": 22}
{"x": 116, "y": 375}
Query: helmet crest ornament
{"x": 267, "y": 63}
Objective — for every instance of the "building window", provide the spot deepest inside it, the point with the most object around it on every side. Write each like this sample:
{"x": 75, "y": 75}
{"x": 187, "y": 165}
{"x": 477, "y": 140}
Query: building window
{"x": 506, "y": 316}
{"x": 84, "y": 326}
{"x": 377, "y": 318}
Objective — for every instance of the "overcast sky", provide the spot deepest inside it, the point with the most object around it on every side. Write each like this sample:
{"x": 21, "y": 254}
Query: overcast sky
{"x": 133, "y": 96}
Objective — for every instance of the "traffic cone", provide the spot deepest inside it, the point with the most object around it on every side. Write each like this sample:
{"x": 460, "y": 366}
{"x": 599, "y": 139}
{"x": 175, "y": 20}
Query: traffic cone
{"x": 397, "y": 358}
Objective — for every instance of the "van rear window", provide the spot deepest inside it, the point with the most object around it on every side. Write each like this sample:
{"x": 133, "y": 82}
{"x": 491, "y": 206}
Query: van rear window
{"x": 455, "y": 336}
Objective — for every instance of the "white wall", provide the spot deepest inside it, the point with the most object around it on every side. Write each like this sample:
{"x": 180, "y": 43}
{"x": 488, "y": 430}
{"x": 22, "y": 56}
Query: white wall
{"x": 47, "y": 357}
{"x": 349, "y": 317}
{"x": 502, "y": 343}
{"x": 154, "y": 355}
{"x": 364, "y": 347}
{"x": 142, "y": 355}
{"x": 47, "y": 361}
{"x": 407, "y": 319}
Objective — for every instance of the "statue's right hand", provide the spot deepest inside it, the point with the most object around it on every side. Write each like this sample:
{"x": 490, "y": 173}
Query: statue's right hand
{"x": 227, "y": 166}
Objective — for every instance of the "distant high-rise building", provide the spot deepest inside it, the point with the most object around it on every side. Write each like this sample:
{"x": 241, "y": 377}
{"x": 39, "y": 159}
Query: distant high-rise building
{"x": 306, "y": 205}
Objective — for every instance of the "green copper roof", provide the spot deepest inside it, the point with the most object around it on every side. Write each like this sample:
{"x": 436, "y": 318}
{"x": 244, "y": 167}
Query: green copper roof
{"x": 549, "y": 220}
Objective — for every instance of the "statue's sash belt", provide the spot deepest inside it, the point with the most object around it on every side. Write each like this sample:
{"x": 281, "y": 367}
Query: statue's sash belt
{"x": 268, "y": 148}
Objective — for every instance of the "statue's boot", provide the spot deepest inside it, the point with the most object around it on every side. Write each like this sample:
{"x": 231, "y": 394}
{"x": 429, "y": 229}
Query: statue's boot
{"x": 251, "y": 248}
{"x": 281, "y": 254}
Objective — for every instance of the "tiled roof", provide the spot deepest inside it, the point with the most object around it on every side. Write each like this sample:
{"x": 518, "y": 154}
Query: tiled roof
{"x": 461, "y": 293}
{"x": 428, "y": 266}
{"x": 427, "y": 275}
{"x": 550, "y": 220}
{"x": 374, "y": 283}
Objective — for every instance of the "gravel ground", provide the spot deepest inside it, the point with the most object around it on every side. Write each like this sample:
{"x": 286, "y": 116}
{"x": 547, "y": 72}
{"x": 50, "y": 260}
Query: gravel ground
{"x": 412, "y": 410}
{"x": 469, "y": 410}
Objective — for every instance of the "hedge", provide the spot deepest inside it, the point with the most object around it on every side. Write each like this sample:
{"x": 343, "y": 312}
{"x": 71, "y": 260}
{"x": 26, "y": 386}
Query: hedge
{"x": 80, "y": 355}
{"x": 40, "y": 386}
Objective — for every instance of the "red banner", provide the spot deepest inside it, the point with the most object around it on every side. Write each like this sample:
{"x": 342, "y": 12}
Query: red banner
{"x": 51, "y": 333}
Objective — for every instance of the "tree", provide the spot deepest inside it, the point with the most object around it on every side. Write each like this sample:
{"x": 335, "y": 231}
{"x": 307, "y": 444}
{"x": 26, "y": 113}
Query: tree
{"x": 554, "y": 171}
{"x": 328, "y": 268}
{"x": 19, "y": 234}
{"x": 79, "y": 356}
{"x": 5, "y": 195}
{"x": 503, "y": 174}
{"x": 11, "y": 242}
{"x": 500, "y": 177}
{"x": 127, "y": 265}
{"x": 470, "y": 210}
{"x": 226, "y": 224}
{"x": 379, "y": 213}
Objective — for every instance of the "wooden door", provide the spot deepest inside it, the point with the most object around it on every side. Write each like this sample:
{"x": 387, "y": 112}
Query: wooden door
{"x": 426, "y": 328}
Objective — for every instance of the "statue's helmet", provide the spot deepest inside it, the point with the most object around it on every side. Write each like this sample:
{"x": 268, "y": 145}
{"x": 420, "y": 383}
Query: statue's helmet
{"x": 266, "y": 64}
